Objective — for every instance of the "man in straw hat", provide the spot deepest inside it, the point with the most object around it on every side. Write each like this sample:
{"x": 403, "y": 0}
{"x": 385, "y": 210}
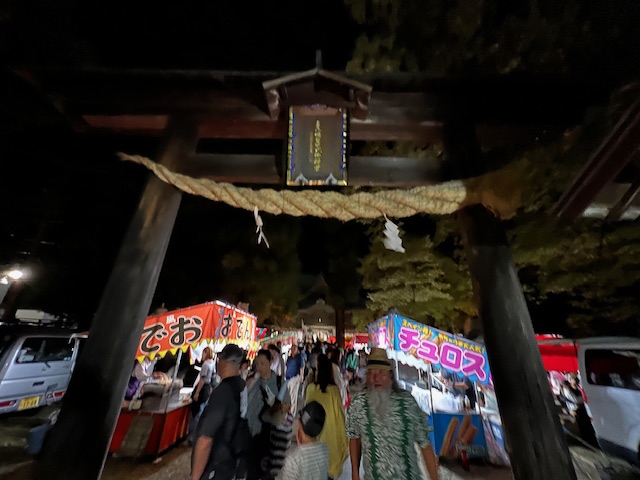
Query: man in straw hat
{"x": 384, "y": 424}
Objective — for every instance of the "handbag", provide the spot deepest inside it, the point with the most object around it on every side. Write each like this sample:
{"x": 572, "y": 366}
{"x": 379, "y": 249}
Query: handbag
{"x": 205, "y": 393}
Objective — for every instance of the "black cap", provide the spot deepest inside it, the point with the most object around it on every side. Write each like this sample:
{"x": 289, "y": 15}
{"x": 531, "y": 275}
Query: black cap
{"x": 312, "y": 418}
{"x": 231, "y": 353}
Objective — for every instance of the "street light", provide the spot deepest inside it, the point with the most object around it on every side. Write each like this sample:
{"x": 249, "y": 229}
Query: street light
{"x": 15, "y": 274}
{"x": 7, "y": 278}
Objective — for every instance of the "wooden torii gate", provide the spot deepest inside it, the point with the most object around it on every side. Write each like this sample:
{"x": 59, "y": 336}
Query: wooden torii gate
{"x": 184, "y": 106}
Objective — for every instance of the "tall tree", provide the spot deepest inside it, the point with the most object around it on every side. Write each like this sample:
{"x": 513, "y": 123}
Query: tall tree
{"x": 266, "y": 278}
{"x": 496, "y": 37}
{"x": 214, "y": 254}
{"x": 583, "y": 273}
{"x": 426, "y": 283}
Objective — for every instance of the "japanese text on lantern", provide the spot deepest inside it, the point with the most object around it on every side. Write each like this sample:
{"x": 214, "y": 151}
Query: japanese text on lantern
{"x": 316, "y": 147}
{"x": 181, "y": 331}
{"x": 449, "y": 355}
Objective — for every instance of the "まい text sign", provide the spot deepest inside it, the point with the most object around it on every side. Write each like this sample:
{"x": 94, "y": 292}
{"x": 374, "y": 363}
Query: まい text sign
{"x": 190, "y": 326}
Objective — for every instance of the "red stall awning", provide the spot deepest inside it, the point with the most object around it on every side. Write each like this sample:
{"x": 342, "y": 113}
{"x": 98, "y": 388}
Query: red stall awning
{"x": 558, "y": 354}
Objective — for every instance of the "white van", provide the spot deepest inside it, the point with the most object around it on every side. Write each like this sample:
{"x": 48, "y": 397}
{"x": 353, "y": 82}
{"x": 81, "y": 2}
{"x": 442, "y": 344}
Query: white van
{"x": 35, "y": 365}
{"x": 610, "y": 371}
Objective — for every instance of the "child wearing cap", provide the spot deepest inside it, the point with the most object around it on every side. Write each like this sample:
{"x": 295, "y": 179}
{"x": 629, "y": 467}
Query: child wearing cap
{"x": 310, "y": 460}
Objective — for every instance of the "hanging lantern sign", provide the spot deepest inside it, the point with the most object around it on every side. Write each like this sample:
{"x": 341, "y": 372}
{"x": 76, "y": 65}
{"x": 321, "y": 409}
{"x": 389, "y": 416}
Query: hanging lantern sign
{"x": 317, "y": 146}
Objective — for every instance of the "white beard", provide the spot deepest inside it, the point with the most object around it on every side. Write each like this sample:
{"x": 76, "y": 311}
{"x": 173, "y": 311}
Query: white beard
{"x": 379, "y": 401}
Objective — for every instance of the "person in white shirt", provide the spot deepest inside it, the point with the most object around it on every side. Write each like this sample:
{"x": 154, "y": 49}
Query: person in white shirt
{"x": 141, "y": 374}
{"x": 310, "y": 461}
{"x": 338, "y": 378}
{"x": 144, "y": 371}
{"x": 277, "y": 362}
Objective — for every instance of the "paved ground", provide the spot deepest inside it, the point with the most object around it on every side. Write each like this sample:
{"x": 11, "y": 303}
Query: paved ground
{"x": 16, "y": 464}
{"x": 175, "y": 466}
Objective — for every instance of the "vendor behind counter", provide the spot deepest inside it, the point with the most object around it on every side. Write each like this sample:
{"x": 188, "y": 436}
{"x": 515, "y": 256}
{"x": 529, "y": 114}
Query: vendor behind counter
{"x": 152, "y": 377}
{"x": 461, "y": 386}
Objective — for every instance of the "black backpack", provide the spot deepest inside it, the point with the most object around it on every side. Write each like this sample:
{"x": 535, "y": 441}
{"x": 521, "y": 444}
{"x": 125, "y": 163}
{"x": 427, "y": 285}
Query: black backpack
{"x": 241, "y": 437}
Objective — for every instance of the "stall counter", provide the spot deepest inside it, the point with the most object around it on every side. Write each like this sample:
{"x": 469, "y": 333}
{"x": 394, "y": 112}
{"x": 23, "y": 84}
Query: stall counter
{"x": 149, "y": 433}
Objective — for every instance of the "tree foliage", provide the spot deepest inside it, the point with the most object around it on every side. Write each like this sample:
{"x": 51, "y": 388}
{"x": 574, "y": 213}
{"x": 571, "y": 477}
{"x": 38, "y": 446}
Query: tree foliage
{"x": 578, "y": 278}
{"x": 444, "y": 37}
{"x": 586, "y": 269}
{"x": 424, "y": 283}
{"x": 344, "y": 249}
{"x": 266, "y": 278}
{"x": 214, "y": 254}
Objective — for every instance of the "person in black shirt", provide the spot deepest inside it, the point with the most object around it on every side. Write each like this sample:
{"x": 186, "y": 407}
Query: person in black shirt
{"x": 212, "y": 456}
{"x": 460, "y": 386}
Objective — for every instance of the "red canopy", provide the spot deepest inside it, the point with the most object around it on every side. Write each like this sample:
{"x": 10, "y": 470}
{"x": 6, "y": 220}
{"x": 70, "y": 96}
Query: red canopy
{"x": 558, "y": 354}
{"x": 212, "y": 321}
{"x": 362, "y": 338}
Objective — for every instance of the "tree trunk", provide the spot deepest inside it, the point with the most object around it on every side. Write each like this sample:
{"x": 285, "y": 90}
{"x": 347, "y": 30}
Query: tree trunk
{"x": 340, "y": 321}
{"x": 77, "y": 446}
{"x": 4, "y": 288}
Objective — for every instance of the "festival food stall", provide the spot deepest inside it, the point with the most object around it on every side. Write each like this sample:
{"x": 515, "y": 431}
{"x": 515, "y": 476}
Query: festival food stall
{"x": 448, "y": 372}
{"x": 286, "y": 339}
{"x": 160, "y": 418}
{"x": 558, "y": 354}
{"x": 357, "y": 341}
{"x": 559, "y": 358}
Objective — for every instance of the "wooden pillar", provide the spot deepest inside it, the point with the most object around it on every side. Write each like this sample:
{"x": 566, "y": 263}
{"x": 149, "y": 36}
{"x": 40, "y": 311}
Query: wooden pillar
{"x": 77, "y": 446}
{"x": 4, "y": 288}
{"x": 537, "y": 446}
{"x": 340, "y": 326}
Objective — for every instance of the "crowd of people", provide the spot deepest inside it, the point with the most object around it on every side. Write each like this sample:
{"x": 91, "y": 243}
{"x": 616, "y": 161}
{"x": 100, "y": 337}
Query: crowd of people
{"x": 348, "y": 418}
{"x": 569, "y": 398}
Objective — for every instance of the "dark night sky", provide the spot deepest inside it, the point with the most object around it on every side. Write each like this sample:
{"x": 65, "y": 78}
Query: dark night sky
{"x": 200, "y": 34}
{"x": 65, "y": 198}
{"x": 73, "y": 185}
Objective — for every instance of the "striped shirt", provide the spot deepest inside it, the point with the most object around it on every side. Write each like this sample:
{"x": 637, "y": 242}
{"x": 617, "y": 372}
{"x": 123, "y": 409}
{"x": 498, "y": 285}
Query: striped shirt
{"x": 308, "y": 462}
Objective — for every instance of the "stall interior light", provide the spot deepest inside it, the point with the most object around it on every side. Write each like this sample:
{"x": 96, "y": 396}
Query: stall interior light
{"x": 4, "y": 281}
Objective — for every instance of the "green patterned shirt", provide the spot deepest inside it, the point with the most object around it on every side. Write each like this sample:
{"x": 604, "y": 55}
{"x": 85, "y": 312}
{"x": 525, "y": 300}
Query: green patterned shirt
{"x": 388, "y": 446}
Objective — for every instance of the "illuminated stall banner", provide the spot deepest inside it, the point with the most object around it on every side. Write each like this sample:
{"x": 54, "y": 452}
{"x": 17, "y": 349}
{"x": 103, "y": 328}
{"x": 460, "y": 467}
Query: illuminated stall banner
{"x": 193, "y": 326}
{"x": 433, "y": 346}
{"x": 378, "y": 334}
{"x": 234, "y": 325}
{"x": 317, "y": 146}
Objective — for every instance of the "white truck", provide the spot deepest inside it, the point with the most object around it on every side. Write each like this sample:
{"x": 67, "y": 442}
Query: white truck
{"x": 35, "y": 365}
